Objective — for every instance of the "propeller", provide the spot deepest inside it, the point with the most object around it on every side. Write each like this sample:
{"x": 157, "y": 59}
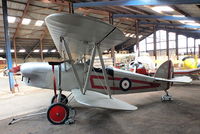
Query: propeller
{"x": 15, "y": 69}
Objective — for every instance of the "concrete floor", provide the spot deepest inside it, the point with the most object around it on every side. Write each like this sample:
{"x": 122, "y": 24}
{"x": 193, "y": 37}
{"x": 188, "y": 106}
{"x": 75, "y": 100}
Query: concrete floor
{"x": 181, "y": 116}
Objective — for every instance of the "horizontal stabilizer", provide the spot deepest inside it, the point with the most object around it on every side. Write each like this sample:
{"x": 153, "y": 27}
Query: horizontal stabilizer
{"x": 182, "y": 79}
{"x": 95, "y": 99}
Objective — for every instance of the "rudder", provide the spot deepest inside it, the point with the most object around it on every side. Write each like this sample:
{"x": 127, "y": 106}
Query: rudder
{"x": 166, "y": 70}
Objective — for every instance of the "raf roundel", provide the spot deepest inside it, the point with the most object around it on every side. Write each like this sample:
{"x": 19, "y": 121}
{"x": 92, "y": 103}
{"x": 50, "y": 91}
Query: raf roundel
{"x": 125, "y": 84}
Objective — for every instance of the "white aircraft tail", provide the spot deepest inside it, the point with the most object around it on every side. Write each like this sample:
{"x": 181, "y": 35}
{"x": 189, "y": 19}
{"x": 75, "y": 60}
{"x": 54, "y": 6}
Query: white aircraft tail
{"x": 166, "y": 73}
{"x": 165, "y": 70}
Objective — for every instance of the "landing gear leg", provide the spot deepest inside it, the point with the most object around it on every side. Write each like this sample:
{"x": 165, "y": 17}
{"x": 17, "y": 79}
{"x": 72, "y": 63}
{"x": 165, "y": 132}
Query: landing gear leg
{"x": 166, "y": 97}
{"x": 59, "y": 112}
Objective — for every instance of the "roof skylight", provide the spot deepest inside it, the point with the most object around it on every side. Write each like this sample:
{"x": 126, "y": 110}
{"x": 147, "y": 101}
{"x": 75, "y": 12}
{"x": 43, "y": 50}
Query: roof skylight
{"x": 11, "y": 19}
{"x": 26, "y": 21}
{"x": 160, "y": 9}
{"x": 190, "y": 22}
{"x": 39, "y": 23}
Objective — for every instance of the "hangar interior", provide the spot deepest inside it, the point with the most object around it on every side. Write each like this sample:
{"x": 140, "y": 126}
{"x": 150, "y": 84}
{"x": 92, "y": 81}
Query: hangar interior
{"x": 162, "y": 30}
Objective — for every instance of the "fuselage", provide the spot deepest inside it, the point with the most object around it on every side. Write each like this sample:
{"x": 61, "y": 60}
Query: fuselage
{"x": 39, "y": 74}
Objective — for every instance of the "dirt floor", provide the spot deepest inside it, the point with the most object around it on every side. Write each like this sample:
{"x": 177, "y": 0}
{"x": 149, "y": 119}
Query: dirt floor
{"x": 181, "y": 116}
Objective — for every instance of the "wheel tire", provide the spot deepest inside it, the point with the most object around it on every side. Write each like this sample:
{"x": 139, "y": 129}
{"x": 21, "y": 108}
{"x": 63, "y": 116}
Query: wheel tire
{"x": 58, "y": 113}
{"x": 125, "y": 84}
{"x": 64, "y": 99}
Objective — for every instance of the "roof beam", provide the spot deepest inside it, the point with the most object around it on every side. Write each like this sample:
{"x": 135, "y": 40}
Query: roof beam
{"x": 185, "y": 33}
{"x": 31, "y": 50}
{"x": 169, "y": 24}
{"x": 58, "y": 2}
{"x": 180, "y": 11}
{"x": 23, "y": 15}
{"x": 181, "y": 30}
{"x": 134, "y": 3}
{"x": 154, "y": 17}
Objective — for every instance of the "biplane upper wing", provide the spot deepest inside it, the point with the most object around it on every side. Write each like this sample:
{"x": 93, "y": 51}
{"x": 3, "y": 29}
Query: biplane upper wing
{"x": 81, "y": 33}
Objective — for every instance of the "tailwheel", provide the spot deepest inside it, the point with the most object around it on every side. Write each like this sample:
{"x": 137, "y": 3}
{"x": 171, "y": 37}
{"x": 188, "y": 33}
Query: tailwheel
{"x": 166, "y": 98}
{"x": 64, "y": 99}
{"x": 58, "y": 113}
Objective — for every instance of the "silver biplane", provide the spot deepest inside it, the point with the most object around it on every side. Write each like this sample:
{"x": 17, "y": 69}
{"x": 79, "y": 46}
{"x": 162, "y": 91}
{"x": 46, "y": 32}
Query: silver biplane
{"x": 76, "y": 37}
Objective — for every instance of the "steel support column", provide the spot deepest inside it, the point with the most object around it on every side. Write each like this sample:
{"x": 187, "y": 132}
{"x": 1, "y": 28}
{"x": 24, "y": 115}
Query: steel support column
{"x": 187, "y": 52}
{"x": 41, "y": 50}
{"x": 15, "y": 51}
{"x": 167, "y": 44}
{"x": 8, "y": 44}
{"x": 199, "y": 51}
{"x": 154, "y": 42}
{"x": 176, "y": 41}
{"x": 146, "y": 44}
{"x": 71, "y": 8}
{"x": 194, "y": 46}
{"x": 111, "y": 18}
{"x": 137, "y": 37}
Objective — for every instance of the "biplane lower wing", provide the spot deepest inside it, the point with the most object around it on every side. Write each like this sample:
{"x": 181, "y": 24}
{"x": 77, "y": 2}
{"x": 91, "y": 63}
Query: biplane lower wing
{"x": 95, "y": 99}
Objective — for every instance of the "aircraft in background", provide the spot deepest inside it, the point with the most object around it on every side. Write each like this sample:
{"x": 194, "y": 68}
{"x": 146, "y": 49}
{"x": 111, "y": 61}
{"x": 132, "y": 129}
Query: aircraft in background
{"x": 76, "y": 36}
{"x": 146, "y": 68}
{"x": 190, "y": 62}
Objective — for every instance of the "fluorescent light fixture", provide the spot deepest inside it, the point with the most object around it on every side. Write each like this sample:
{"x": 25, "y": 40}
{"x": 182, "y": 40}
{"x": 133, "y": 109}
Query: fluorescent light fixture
{"x": 127, "y": 35}
{"x": 12, "y": 50}
{"x": 178, "y": 15}
{"x": 132, "y": 35}
{"x": 36, "y": 51}
{"x": 22, "y": 50}
{"x": 160, "y": 9}
{"x": 39, "y": 23}
{"x": 26, "y": 21}
{"x": 193, "y": 24}
{"x": 11, "y": 19}
{"x": 53, "y": 51}
{"x": 140, "y": 36}
{"x": 187, "y": 21}
{"x": 1, "y": 50}
{"x": 45, "y": 50}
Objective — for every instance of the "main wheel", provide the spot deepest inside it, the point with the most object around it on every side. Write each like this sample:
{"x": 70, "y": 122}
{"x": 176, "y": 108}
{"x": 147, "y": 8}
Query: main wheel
{"x": 64, "y": 99}
{"x": 58, "y": 113}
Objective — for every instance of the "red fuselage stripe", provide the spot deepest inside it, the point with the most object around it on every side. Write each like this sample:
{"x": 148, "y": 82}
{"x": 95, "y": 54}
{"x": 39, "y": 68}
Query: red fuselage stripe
{"x": 150, "y": 84}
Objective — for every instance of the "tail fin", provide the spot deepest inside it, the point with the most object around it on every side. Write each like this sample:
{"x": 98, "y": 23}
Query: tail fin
{"x": 166, "y": 70}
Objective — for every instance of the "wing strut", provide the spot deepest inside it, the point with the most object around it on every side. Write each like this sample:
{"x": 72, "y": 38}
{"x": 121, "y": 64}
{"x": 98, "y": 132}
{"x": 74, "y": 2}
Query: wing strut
{"x": 104, "y": 71}
{"x": 64, "y": 43}
{"x": 97, "y": 47}
{"x": 102, "y": 62}
{"x": 90, "y": 68}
